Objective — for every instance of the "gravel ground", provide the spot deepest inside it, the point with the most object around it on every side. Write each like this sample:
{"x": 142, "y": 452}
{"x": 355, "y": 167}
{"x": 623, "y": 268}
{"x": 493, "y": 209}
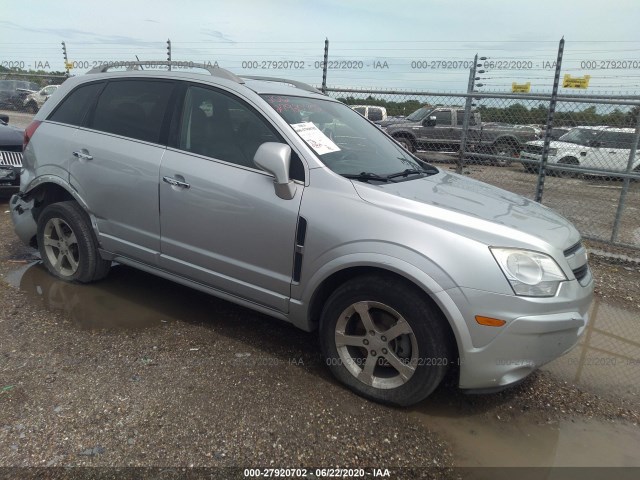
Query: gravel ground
{"x": 220, "y": 385}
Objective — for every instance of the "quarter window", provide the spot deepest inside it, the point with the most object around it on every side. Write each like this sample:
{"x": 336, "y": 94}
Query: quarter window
{"x": 75, "y": 106}
{"x": 133, "y": 108}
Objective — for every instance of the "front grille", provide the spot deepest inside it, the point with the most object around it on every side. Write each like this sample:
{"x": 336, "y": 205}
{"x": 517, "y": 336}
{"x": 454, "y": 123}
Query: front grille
{"x": 533, "y": 149}
{"x": 573, "y": 249}
{"x": 581, "y": 272}
{"x": 11, "y": 158}
{"x": 576, "y": 256}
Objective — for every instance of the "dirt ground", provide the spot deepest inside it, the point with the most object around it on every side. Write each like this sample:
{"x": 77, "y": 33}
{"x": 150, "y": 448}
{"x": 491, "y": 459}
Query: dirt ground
{"x": 137, "y": 371}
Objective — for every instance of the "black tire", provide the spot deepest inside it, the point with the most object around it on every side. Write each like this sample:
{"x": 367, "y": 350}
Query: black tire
{"x": 67, "y": 245}
{"x": 424, "y": 347}
{"x": 505, "y": 148}
{"x": 566, "y": 173}
{"x": 406, "y": 143}
{"x": 32, "y": 107}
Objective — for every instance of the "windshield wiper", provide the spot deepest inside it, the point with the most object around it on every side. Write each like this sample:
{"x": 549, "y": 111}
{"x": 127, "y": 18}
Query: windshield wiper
{"x": 365, "y": 176}
{"x": 409, "y": 171}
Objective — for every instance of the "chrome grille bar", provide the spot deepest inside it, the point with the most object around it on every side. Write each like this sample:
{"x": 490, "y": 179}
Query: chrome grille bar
{"x": 11, "y": 158}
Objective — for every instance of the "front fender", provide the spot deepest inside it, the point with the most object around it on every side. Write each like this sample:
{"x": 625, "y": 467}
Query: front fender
{"x": 299, "y": 311}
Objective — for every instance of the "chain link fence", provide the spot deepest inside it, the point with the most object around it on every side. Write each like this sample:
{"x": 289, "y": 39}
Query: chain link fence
{"x": 592, "y": 169}
{"x": 589, "y": 169}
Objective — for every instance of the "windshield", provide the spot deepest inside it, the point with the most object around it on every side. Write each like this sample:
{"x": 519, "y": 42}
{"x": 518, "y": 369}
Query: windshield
{"x": 419, "y": 114}
{"x": 344, "y": 141}
{"x": 580, "y": 136}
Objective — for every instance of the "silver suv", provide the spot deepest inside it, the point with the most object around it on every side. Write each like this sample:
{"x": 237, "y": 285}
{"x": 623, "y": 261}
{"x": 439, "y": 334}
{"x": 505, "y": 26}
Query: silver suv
{"x": 271, "y": 195}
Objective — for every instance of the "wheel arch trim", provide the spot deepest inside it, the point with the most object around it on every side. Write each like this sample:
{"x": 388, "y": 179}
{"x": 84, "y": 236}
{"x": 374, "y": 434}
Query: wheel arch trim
{"x": 300, "y": 311}
{"x": 41, "y": 183}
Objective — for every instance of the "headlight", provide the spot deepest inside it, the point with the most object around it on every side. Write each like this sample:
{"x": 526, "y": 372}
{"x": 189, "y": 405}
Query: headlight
{"x": 531, "y": 274}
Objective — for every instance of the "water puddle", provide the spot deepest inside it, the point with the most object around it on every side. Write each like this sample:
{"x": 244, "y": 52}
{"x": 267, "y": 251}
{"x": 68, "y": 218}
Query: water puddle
{"x": 479, "y": 442}
{"x": 607, "y": 358}
{"x": 127, "y": 298}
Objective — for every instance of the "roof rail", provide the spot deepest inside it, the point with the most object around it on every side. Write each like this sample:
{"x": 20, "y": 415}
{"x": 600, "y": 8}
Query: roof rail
{"x": 139, "y": 65}
{"x": 301, "y": 85}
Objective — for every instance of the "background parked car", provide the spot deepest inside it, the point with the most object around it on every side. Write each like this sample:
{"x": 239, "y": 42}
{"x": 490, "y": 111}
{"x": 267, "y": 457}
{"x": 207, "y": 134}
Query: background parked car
{"x": 35, "y": 100}
{"x": 10, "y": 156}
{"x": 13, "y": 92}
{"x": 372, "y": 112}
{"x": 594, "y": 148}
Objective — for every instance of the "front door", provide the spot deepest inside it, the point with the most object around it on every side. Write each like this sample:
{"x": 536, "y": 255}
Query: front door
{"x": 221, "y": 222}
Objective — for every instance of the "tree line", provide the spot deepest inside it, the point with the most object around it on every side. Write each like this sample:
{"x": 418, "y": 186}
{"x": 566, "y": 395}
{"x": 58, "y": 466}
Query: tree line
{"x": 518, "y": 113}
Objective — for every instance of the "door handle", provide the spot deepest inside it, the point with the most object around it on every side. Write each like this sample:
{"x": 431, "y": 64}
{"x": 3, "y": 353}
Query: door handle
{"x": 175, "y": 183}
{"x": 82, "y": 156}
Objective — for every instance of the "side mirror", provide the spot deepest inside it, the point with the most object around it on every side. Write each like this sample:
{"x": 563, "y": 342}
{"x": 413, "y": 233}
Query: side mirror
{"x": 430, "y": 122}
{"x": 274, "y": 158}
{"x": 4, "y": 118}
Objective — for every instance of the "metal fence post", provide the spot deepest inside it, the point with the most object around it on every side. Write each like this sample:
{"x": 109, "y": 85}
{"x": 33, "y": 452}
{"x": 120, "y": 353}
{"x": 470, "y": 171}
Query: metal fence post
{"x": 549, "y": 125}
{"x": 467, "y": 114}
{"x": 626, "y": 180}
{"x": 169, "y": 52}
{"x": 66, "y": 59}
{"x": 325, "y": 64}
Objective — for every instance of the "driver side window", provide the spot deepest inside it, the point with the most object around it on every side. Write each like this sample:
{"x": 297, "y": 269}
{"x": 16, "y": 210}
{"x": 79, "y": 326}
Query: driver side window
{"x": 220, "y": 126}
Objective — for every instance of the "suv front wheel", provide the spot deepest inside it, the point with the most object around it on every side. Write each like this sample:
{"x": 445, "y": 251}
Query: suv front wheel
{"x": 385, "y": 341}
{"x": 67, "y": 244}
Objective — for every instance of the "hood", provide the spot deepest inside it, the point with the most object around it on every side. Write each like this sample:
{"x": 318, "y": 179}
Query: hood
{"x": 475, "y": 209}
{"x": 10, "y": 136}
{"x": 558, "y": 144}
{"x": 392, "y": 121}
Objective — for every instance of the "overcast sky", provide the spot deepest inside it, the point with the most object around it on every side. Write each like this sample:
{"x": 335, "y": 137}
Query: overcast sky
{"x": 373, "y": 43}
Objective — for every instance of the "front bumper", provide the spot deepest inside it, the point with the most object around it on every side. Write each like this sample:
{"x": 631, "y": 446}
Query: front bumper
{"x": 23, "y": 222}
{"x": 537, "y": 331}
{"x": 531, "y": 158}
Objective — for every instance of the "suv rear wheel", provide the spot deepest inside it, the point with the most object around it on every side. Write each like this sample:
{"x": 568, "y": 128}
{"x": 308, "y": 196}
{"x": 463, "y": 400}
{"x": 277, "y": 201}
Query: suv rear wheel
{"x": 67, "y": 244}
{"x": 385, "y": 341}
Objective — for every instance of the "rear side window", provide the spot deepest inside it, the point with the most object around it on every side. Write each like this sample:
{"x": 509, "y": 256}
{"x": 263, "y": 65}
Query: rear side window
{"x": 375, "y": 114}
{"x": 617, "y": 140}
{"x": 460, "y": 117}
{"x": 75, "y": 106}
{"x": 133, "y": 108}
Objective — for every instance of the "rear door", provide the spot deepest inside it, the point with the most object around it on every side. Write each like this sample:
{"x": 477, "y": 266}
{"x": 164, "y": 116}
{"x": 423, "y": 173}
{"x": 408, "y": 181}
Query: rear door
{"x": 222, "y": 223}
{"x": 612, "y": 152}
{"x": 116, "y": 164}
